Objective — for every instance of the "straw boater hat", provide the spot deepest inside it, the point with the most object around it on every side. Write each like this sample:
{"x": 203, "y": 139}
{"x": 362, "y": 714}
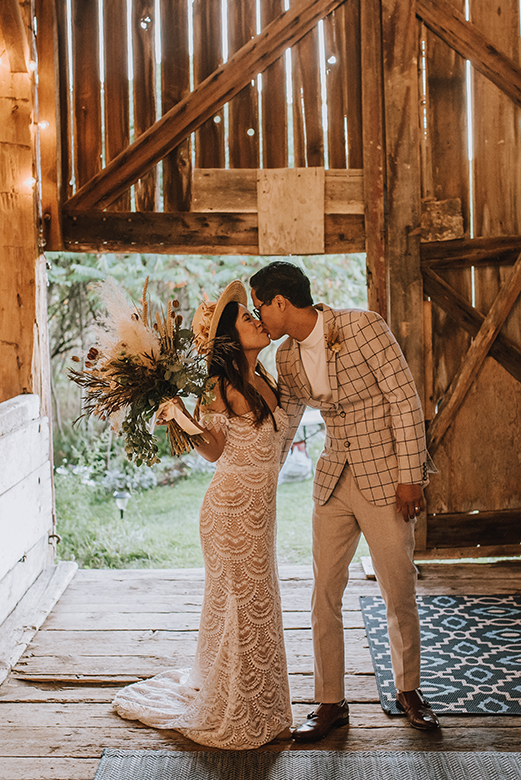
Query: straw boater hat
{"x": 206, "y": 318}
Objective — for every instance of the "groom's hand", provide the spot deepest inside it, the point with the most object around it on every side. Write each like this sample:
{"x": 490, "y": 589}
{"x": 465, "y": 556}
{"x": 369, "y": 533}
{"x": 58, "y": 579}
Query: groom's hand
{"x": 409, "y": 501}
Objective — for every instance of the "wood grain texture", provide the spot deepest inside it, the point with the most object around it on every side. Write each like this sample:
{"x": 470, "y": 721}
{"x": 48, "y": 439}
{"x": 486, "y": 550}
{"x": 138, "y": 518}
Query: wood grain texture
{"x": 486, "y": 250}
{"x": 18, "y": 235}
{"x": 49, "y": 122}
{"x": 477, "y": 468}
{"x": 86, "y": 92}
{"x": 459, "y": 311}
{"x": 291, "y": 211}
{"x": 190, "y": 113}
{"x": 175, "y": 85}
{"x": 474, "y": 44}
{"x": 13, "y": 32}
{"x": 243, "y": 108}
{"x": 308, "y": 135}
{"x": 144, "y": 82}
{"x": 476, "y": 354}
{"x": 374, "y": 158}
{"x": 235, "y": 190}
{"x": 116, "y": 86}
{"x": 400, "y": 60}
{"x": 274, "y": 99}
{"x": 208, "y": 57}
{"x": 190, "y": 232}
{"x": 335, "y": 35}
{"x": 353, "y": 76}
{"x": 69, "y": 722}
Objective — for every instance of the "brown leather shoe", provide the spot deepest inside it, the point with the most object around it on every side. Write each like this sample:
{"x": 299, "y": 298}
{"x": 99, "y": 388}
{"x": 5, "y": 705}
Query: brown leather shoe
{"x": 417, "y": 711}
{"x": 320, "y": 722}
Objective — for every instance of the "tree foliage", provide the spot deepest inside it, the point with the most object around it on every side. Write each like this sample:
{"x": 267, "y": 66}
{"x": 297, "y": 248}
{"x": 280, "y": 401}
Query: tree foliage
{"x": 74, "y": 304}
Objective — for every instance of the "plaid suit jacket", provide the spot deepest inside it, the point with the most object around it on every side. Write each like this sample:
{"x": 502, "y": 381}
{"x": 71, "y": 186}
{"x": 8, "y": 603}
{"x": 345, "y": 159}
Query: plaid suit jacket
{"x": 374, "y": 421}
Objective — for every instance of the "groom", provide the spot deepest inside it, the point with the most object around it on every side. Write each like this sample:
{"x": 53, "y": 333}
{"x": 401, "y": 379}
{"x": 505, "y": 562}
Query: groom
{"x": 368, "y": 479}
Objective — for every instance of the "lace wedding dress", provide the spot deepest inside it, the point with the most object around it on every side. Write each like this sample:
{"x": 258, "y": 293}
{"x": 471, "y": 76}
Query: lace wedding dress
{"x": 236, "y": 695}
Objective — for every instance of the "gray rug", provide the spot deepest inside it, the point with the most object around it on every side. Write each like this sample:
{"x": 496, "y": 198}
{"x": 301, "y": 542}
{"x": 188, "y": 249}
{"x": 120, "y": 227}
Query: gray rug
{"x": 306, "y": 765}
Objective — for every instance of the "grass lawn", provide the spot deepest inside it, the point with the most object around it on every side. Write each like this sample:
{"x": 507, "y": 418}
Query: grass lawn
{"x": 160, "y": 526}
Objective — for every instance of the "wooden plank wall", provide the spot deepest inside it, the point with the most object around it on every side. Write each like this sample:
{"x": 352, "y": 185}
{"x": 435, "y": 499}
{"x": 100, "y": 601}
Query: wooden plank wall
{"x": 249, "y": 132}
{"x": 25, "y": 498}
{"x": 477, "y": 458}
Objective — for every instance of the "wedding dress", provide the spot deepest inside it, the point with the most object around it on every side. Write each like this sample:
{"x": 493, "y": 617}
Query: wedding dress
{"x": 236, "y": 695}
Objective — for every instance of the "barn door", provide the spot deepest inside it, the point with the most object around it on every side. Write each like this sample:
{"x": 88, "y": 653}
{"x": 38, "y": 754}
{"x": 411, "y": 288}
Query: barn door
{"x": 471, "y": 147}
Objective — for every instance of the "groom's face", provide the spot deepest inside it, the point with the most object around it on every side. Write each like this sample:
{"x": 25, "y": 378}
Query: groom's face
{"x": 271, "y": 315}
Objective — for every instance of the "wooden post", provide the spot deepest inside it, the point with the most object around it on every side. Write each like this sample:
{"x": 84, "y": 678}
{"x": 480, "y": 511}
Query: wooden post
{"x": 19, "y": 286}
{"x": 400, "y": 67}
{"x": 374, "y": 157}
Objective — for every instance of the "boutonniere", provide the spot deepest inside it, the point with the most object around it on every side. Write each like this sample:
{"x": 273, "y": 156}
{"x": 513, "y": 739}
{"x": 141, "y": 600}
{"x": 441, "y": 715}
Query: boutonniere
{"x": 332, "y": 339}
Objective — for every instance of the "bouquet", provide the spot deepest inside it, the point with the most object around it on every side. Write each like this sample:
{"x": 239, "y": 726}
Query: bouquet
{"x": 138, "y": 363}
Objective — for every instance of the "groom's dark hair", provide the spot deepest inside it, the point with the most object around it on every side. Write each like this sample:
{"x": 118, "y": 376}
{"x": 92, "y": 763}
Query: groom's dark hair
{"x": 282, "y": 278}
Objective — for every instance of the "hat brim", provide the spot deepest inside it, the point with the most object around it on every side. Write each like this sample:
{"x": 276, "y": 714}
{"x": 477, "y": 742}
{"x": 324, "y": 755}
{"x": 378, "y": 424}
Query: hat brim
{"x": 235, "y": 291}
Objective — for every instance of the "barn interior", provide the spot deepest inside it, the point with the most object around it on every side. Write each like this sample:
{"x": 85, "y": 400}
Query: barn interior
{"x": 259, "y": 127}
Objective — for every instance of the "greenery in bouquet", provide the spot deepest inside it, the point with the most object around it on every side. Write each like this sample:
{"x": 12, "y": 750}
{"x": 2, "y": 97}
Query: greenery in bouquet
{"x": 138, "y": 362}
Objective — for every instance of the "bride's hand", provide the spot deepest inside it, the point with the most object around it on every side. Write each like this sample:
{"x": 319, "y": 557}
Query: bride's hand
{"x": 165, "y": 411}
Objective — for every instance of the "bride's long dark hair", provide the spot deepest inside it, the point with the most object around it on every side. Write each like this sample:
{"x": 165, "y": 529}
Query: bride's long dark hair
{"x": 231, "y": 369}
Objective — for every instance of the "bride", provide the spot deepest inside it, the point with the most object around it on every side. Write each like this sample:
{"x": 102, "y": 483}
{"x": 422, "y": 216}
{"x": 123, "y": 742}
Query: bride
{"x": 236, "y": 695}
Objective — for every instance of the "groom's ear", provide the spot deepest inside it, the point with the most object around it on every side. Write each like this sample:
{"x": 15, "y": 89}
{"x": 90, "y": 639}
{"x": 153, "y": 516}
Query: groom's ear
{"x": 280, "y": 302}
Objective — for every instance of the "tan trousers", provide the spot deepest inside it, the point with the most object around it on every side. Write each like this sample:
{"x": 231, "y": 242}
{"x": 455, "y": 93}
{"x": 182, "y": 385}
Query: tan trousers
{"x": 336, "y": 531}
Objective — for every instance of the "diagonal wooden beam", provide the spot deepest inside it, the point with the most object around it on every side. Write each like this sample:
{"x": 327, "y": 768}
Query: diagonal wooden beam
{"x": 201, "y": 104}
{"x": 477, "y": 353}
{"x": 505, "y": 351}
{"x": 462, "y": 36}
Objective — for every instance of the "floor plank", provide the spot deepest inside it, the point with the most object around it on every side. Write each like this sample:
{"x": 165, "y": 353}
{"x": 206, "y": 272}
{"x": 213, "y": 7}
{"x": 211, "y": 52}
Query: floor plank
{"x": 113, "y": 627}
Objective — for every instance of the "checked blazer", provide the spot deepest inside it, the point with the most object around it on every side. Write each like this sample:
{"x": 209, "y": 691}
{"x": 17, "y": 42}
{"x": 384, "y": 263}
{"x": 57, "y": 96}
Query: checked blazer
{"x": 374, "y": 421}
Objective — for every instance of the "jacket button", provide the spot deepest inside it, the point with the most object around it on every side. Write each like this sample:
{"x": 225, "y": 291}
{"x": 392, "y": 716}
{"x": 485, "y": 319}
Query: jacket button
{"x": 342, "y": 413}
{"x": 347, "y": 444}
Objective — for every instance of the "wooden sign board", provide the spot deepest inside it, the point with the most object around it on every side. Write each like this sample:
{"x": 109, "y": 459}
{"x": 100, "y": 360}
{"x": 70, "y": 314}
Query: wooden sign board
{"x": 291, "y": 211}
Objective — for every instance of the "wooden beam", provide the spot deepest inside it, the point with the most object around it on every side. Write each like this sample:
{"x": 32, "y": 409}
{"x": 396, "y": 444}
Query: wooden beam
{"x": 210, "y": 233}
{"x": 462, "y": 36}
{"x": 457, "y": 307}
{"x": 13, "y": 32}
{"x": 475, "y": 528}
{"x": 48, "y": 121}
{"x": 235, "y": 190}
{"x": 488, "y": 250}
{"x": 400, "y": 42}
{"x": 374, "y": 157}
{"x": 191, "y": 112}
{"x": 477, "y": 353}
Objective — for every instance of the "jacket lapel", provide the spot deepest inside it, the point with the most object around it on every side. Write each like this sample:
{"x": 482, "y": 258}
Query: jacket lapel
{"x": 298, "y": 372}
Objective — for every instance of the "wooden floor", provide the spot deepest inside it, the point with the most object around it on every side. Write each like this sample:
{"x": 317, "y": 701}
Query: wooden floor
{"x": 113, "y": 627}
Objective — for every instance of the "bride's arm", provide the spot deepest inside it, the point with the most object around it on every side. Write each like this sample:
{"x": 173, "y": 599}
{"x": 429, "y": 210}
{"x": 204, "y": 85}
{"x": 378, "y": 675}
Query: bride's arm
{"x": 213, "y": 431}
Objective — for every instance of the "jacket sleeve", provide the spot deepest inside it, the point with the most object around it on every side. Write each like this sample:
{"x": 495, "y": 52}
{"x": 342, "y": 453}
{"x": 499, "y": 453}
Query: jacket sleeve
{"x": 385, "y": 359}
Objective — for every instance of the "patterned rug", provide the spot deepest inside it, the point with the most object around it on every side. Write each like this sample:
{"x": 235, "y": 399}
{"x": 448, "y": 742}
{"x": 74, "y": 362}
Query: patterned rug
{"x": 471, "y": 653}
{"x": 306, "y": 765}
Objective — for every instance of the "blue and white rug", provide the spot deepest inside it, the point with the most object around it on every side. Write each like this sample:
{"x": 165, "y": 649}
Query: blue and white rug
{"x": 471, "y": 653}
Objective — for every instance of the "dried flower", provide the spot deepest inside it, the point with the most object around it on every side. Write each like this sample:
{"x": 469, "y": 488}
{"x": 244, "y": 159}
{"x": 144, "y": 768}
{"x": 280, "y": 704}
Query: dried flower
{"x": 138, "y": 365}
{"x": 333, "y": 340}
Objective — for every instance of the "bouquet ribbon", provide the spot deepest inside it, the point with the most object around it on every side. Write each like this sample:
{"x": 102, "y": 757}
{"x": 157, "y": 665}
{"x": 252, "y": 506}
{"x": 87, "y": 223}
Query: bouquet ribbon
{"x": 169, "y": 410}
